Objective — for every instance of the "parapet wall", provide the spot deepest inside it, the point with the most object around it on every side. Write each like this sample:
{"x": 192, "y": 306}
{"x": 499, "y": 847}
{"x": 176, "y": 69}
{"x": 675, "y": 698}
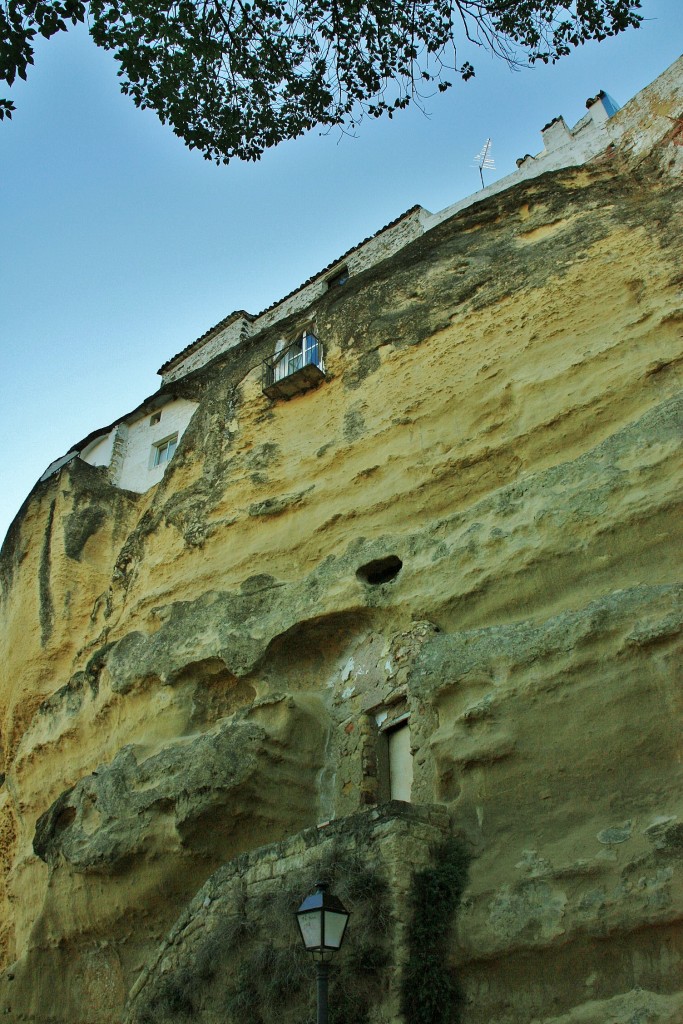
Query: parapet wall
{"x": 632, "y": 129}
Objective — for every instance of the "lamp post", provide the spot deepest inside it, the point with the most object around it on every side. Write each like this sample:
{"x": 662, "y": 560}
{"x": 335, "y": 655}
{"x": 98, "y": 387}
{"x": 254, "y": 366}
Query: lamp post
{"x": 322, "y": 920}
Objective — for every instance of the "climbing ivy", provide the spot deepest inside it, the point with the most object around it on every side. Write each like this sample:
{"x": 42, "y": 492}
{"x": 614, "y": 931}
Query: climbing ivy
{"x": 429, "y": 991}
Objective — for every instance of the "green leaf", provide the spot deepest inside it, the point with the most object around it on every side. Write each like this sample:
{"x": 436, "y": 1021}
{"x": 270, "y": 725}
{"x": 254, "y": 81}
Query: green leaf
{"x": 235, "y": 78}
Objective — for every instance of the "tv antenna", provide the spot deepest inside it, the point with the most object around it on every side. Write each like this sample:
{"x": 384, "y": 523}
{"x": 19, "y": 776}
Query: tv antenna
{"x": 484, "y": 160}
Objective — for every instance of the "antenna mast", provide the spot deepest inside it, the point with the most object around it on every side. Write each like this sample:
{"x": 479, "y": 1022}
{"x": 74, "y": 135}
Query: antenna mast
{"x": 484, "y": 160}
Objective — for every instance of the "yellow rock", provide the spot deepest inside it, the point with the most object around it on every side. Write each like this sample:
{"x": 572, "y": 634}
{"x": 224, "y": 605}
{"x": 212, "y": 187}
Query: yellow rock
{"x": 196, "y": 672}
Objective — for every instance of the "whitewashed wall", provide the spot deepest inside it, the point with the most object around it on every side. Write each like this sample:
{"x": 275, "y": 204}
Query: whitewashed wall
{"x": 562, "y": 147}
{"x": 98, "y": 452}
{"x": 136, "y": 471}
{"x": 637, "y": 126}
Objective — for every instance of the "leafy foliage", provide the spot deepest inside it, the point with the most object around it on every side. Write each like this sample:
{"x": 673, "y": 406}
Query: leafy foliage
{"x": 429, "y": 993}
{"x": 233, "y": 77}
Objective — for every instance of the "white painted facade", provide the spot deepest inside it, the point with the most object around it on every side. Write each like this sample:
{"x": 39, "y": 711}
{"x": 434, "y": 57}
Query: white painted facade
{"x": 647, "y": 119}
{"x": 136, "y": 470}
{"x": 99, "y": 451}
{"x": 129, "y": 448}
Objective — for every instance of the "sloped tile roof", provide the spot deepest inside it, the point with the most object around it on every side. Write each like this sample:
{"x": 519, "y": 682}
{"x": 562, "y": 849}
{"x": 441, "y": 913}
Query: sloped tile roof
{"x": 252, "y": 317}
{"x": 225, "y": 322}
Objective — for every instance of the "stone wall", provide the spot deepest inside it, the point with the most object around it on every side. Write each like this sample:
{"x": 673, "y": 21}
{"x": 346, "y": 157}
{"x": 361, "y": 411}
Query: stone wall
{"x": 246, "y": 910}
{"x": 219, "y": 340}
{"x": 373, "y": 250}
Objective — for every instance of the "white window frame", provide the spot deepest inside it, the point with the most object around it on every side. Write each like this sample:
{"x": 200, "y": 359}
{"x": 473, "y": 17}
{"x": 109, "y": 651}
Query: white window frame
{"x": 163, "y": 450}
{"x": 295, "y": 360}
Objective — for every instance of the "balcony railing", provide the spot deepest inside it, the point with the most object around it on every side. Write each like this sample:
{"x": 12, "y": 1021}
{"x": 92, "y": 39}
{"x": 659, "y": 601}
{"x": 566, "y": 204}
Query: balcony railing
{"x": 296, "y": 368}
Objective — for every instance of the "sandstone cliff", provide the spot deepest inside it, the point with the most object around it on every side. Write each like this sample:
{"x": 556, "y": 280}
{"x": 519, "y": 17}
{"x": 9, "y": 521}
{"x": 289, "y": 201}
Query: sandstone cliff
{"x": 192, "y": 674}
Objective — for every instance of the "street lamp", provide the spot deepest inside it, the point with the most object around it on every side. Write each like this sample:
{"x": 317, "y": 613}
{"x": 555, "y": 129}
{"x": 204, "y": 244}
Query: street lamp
{"x": 322, "y": 920}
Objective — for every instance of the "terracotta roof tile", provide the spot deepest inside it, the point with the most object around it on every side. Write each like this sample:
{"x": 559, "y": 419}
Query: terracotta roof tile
{"x": 340, "y": 259}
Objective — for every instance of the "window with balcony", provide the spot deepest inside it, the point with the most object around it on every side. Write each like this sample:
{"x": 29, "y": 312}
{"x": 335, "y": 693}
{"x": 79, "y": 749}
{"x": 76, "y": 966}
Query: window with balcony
{"x": 295, "y": 367}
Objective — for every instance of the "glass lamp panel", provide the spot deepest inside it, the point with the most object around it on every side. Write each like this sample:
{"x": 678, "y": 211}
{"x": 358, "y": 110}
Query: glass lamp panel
{"x": 335, "y": 924}
{"x": 310, "y": 928}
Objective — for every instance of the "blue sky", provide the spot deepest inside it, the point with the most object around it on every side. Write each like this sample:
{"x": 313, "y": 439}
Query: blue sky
{"x": 120, "y": 246}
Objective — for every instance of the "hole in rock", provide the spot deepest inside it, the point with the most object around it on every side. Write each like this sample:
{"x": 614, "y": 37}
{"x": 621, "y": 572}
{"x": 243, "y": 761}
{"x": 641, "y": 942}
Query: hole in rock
{"x": 381, "y": 570}
{"x": 65, "y": 817}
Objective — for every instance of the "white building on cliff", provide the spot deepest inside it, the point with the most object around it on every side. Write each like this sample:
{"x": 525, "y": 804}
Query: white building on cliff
{"x": 137, "y": 448}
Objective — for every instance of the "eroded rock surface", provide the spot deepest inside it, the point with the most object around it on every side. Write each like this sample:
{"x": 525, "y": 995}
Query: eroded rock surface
{"x": 196, "y": 672}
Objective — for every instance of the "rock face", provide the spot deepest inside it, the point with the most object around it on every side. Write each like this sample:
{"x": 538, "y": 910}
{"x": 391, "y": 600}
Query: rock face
{"x": 473, "y": 522}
